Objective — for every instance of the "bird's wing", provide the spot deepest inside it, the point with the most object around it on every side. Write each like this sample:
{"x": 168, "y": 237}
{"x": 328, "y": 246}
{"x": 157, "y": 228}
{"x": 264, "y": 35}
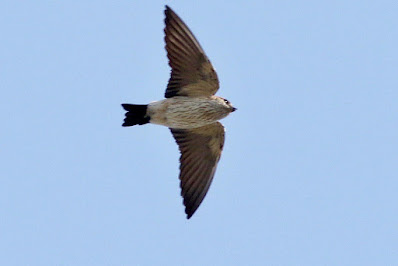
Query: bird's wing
{"x": 200, "y": 152}
{"x": 191, "y": 71}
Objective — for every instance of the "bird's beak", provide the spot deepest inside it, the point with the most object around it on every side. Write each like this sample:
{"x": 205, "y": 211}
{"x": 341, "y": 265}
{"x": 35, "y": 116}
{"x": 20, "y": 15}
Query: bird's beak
{"x": 234, "y": 109}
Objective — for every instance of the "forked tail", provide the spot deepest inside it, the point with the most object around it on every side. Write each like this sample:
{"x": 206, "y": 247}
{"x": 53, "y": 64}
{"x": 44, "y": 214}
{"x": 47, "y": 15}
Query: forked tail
{"x": 136, "y": 114}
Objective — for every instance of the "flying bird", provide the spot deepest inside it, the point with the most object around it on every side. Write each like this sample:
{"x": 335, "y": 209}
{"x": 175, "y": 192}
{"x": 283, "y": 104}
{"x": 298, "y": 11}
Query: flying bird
{"x": 190, "y": 110}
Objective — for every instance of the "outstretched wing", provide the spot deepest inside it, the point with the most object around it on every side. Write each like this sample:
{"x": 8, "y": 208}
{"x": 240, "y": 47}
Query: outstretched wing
{"x": 191, "y": 71}
{"x": 200, "y": 152}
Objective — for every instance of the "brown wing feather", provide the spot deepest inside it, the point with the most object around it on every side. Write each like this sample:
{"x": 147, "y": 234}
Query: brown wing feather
{"x": 191, "y": 71}
{"x": 200, "y": 152}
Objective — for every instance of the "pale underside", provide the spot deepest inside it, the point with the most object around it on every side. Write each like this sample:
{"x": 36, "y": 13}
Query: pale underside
{"x": 187, "y": 112}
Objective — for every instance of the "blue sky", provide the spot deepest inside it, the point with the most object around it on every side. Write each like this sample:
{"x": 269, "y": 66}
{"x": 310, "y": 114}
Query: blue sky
{"x": 309, "y": 170}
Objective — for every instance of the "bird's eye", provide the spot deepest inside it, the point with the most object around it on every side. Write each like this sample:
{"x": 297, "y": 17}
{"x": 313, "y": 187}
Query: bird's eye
{"x": 226, "y": 101}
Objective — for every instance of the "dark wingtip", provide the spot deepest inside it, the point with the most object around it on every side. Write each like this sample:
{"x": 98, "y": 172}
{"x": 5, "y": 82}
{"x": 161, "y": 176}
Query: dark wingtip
{"x": 189, "y": 211}
{"x": 167, "y": 10}
{"x": 169, "y": 13}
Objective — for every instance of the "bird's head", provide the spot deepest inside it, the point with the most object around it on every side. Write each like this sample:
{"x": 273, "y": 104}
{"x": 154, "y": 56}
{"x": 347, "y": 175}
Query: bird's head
{"x": 228, "y": 105}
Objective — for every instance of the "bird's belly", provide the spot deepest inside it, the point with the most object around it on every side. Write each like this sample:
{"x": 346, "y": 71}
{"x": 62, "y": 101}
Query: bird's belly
{"x": 190, "y": 114}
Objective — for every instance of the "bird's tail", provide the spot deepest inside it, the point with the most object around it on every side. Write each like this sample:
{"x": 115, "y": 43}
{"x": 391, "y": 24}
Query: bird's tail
{"x": 136, "y": 114}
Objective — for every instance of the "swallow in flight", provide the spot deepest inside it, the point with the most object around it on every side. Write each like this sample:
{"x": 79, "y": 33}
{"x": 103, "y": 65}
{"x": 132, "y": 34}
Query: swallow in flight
{"x": 190, "y": 109}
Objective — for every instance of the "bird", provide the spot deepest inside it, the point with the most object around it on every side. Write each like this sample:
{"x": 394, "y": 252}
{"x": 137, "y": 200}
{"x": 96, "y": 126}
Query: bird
{"x": 190, "y": 110}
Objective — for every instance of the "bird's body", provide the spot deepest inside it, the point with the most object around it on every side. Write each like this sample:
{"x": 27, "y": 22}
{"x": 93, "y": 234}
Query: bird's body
{"x": 190, "y": 110}
{"x": 187, "y": 112}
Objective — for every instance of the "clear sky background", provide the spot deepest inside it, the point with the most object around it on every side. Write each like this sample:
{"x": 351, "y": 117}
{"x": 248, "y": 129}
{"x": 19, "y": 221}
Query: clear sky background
{"x": 309, "y": 173}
